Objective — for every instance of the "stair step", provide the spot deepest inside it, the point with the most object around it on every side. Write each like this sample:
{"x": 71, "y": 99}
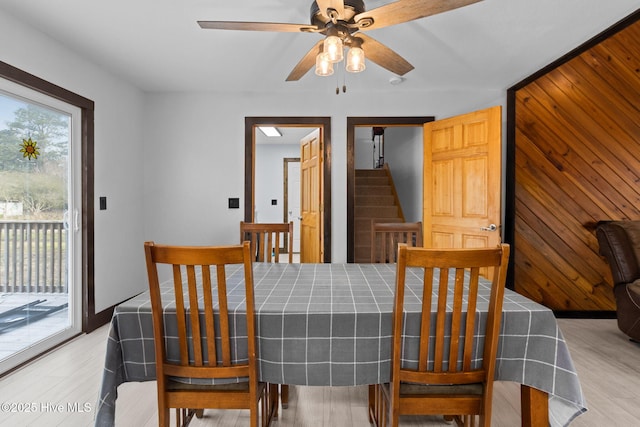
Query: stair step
{"x": 373, "y": 190}
{"x": 362, "y": 225}
{"x": 372, "y": 180}
{"x": 374, "y": 200}
{"x": 362, "y": 254}
{"x": 370, "y": 172}
{"x": 362, "y": 238}
{"x": 376, "y": 212}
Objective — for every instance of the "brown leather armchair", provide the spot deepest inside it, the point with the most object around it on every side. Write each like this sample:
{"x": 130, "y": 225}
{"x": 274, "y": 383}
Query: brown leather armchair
{"x": 619, "y": 243}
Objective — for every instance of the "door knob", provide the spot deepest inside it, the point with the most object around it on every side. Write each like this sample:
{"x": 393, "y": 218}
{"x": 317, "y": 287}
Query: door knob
{"x": 491, "y": 227}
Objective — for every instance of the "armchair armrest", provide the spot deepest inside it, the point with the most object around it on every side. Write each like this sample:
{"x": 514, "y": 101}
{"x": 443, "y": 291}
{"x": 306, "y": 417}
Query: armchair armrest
{"x": 619, "y": 251}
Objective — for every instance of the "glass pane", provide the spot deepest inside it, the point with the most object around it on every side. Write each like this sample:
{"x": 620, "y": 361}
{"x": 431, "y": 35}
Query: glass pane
{"x": 34, "y": 206}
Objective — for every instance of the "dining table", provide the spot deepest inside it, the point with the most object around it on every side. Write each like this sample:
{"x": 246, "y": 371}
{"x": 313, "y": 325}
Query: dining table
{"x": 329, "y": 324}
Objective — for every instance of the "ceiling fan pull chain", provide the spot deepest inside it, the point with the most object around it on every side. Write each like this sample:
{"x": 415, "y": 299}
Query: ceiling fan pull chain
{"x": 344, "y": 82}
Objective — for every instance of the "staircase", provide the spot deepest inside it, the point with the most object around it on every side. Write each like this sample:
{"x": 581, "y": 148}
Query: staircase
{"x": 375, "y": 198}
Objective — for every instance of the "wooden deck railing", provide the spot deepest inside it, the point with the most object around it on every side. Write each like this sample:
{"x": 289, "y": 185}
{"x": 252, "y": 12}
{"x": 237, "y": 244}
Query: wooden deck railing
{"x": 33, "y": 256}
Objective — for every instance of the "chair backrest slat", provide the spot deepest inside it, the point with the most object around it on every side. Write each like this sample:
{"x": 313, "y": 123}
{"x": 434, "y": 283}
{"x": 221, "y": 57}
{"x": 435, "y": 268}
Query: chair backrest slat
{"x": 385, "y": 237}
{"x": 180, "y": 314}
{"x": 194, "y": 315}
{"x": 224, "y": 315}
{"x": 265, "y": 239}
{"x": 210, "y": 324}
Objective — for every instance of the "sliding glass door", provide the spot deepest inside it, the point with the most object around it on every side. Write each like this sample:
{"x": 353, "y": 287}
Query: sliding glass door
{"x": 40, "y": 240}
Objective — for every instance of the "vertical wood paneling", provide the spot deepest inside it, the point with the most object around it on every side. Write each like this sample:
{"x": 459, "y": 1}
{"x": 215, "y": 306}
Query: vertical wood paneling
{"x": 576, "y": 131}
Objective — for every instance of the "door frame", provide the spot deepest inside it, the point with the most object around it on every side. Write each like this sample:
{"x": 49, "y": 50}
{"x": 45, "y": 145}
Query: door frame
{"x": 285, "y": 192}
{"x": 250, "y": 125}
{"x": 352, "y": 123}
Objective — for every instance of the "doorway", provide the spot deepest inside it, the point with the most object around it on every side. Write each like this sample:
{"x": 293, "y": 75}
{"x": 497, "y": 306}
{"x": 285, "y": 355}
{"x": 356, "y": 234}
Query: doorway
{"x": 323, "y": 123}
{"x": 352, "y": 123}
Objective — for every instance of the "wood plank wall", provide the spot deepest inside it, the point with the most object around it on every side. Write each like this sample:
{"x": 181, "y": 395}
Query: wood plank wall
{"x": 574, "y": 148}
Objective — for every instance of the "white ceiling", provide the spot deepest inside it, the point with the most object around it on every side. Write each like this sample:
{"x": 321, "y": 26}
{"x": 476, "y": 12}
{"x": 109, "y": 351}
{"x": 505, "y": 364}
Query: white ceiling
{"x": 158, "y": 46}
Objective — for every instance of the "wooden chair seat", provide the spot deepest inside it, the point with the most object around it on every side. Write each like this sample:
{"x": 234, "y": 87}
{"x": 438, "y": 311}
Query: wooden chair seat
{"x": 174, "y": 385}
{"x": 445, "y": 389}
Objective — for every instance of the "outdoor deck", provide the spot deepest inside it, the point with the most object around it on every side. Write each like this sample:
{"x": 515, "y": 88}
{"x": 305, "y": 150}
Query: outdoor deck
{"x": 18, "y": 338}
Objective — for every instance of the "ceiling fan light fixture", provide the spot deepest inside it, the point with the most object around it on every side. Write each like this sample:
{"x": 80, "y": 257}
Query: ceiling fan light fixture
{"x": 334, "y": 48}
{"x": 355, "y": 60}
{"x": 324, "y": 67}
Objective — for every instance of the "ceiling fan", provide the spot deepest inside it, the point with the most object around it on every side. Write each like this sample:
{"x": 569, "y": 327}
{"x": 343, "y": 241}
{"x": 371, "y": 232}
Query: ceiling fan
{"x": 343, "y": 22}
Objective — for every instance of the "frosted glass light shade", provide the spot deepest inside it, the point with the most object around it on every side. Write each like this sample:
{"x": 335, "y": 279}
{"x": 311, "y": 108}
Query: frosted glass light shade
{"x": 333, "y": 47}
{"x": 324, "y": 67}
{"x": 355, "y": 60}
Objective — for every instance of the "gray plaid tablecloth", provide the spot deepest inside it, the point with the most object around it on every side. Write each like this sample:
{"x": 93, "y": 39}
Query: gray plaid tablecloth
{"x": 330, "y": 325}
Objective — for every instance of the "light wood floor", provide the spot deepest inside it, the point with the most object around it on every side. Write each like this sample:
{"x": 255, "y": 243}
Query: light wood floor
{"x": 606, "y": 361}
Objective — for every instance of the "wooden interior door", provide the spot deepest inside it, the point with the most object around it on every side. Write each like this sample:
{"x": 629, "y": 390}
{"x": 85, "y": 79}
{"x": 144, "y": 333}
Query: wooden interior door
{"x": 463, "y": 180}
{"x": 311, "y": 233}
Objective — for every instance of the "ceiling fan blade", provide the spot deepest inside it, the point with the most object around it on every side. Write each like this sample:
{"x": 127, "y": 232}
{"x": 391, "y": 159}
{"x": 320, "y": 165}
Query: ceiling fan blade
{"x": 384, "y": 56}
{"x": 256, "y": 26}
{"x": 407, "y": 10}
{"x": 306, "y": 63}
{"x": 337, "y": 5}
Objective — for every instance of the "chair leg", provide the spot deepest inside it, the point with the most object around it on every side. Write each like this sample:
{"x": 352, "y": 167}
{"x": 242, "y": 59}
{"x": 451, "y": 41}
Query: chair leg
{"x": 269, "y": 404}
{"x": 164, "y": 417}
{"x": 284, "y": 395}
{"x": 184, "y": 416}
{"x": 372, "y": 404}
{"x": 254, "y": 410}
{"x": 273, "y": 402}
{"x": 378, "y": 406}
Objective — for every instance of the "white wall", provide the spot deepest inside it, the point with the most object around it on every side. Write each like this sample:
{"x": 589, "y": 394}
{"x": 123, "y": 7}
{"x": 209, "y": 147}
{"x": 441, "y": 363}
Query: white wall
{"x": 365, "y": 156}
{"x": 194, "y": 152}
{"x": 269, "y": 177}
{"x": 119, "y": 151}
{"x": 403, "y": 152}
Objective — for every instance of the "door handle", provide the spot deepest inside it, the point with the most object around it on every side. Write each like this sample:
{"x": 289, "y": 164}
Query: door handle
{"x": 491, "y": 227}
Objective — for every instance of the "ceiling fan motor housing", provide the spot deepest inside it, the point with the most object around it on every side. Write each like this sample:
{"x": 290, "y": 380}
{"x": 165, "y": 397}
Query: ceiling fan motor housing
{"x": 351, "y": 9}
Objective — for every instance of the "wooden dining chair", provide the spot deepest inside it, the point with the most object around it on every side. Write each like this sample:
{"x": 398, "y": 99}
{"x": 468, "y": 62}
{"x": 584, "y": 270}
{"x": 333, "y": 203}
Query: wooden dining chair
{"x": 385, "y": 237}
{"x": 440, "y": 382}
{"x": 265, "y": 239}
{"x": 201, "y": 328}
{"x": 265, "y": 244}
